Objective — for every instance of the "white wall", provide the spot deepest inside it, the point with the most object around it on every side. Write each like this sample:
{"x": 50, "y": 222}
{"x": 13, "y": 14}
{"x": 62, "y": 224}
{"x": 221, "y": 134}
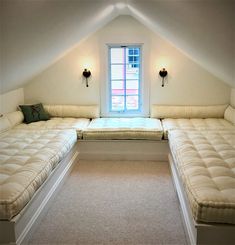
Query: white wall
{"x": 188, "y": 83}
{"x": 201, "y": 29}
{"x": 34, "y": 34}
{"x": 10, "y": 101}
{"x": 232, "y": 101}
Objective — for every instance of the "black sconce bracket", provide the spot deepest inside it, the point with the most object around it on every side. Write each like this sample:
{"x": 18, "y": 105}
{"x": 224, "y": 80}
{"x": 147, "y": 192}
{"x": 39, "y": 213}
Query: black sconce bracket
{"x": 163, "y": 73}
{"x": 86, "y": 73}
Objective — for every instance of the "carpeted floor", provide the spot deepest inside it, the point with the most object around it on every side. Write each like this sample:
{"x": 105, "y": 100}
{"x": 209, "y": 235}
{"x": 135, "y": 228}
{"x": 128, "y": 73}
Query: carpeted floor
{"x": 114, "y": 202}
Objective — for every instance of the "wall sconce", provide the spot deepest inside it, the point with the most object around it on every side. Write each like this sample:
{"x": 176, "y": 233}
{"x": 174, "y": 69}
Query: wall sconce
{"x": 86, "y": 73}
{"x": 163, "y": 74}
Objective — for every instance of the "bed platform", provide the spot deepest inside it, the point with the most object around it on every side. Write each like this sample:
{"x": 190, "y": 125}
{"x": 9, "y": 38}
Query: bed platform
{"x": 135, "y": 150}
{"x": 203, "y": 175}
{"x": 58, "y": 123}
{"x": 33, "y": 167}
{"x": 197, "y": 232}
{"x": 195, "y": 124}
{"x": 18, "y": 229}
{"x": 124, "y": 129}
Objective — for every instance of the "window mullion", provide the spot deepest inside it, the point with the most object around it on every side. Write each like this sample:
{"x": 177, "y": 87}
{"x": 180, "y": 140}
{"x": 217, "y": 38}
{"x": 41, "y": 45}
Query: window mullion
{"x": 124, "y": 80}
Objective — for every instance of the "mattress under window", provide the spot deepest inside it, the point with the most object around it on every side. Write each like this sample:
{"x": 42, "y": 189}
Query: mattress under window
{"x": 124, "y": 128}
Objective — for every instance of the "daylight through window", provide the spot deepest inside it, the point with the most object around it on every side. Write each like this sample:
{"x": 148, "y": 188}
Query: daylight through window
{"x": 125, "y": 69}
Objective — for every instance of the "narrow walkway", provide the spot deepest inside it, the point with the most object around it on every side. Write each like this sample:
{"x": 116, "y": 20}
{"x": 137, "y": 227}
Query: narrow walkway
{"x": 114, "y": 202}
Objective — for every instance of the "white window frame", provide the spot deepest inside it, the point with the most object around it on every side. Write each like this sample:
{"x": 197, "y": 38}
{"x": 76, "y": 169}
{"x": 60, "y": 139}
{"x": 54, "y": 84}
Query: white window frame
{"x": 130, "y": 113}
{"x": 144, "y": 81}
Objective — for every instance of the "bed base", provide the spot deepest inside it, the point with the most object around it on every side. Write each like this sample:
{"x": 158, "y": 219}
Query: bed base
{"x": 19, "y": 228}
{"x": 199, "y": 233}
{"x": 148, "y": 150}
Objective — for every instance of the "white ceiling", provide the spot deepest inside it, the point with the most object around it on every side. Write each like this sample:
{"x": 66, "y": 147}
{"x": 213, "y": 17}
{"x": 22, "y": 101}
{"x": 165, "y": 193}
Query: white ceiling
{"x": 34, "y": 34}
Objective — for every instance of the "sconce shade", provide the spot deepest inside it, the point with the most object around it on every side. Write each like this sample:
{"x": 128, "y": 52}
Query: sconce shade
{"x": 86, "y": 73}
{"x": 163, "y": 74}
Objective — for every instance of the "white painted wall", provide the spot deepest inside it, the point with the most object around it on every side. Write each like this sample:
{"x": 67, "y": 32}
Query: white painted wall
{"x": 10, "y": 101}
{"x": 34, "y": 34}
{"x": 232, "y": 101}
{"x": 203, "y": 30}
{"x": 187, "y": 83}
{"x": 37, "y": 33}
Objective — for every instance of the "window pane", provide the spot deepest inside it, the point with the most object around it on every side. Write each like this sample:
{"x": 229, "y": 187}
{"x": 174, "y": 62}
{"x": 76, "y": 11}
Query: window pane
{"x": 132, "y": 87}
{"x": 130, "y": 51}
{"x": 117, "y": 103}
{"x": 132, "y": 102}
{"x": 136, "y": 59}
{"x": 117, "y": 55}
{"x": 117, "y": 91}
{"x": 117, "y": 72}
{"x": 125, "y": 78}
{"x": 132, "y": 72}
{"x": 117, "y": 87}
{"x": 117, "y": 84}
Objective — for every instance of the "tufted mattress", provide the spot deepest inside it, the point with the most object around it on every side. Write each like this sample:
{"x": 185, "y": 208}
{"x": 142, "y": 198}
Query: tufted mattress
{"x": 27, "y": 157}
{"x": 205, "y": 161}
{"x": 195, "y": 123}
{"x": 124, "y": 128}
{"x": 59, "y": 123}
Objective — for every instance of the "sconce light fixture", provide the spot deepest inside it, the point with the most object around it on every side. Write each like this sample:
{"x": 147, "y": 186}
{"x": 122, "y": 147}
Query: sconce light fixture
{"x": 86, "y": 73}
{"x": 163, "y": 74}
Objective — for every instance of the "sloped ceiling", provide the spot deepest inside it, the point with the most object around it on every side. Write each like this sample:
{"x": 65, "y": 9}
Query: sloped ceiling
{"x": 34, "y": 34}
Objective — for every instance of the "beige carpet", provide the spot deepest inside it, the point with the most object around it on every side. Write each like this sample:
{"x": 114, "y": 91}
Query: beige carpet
{"x": 114, "y": 202}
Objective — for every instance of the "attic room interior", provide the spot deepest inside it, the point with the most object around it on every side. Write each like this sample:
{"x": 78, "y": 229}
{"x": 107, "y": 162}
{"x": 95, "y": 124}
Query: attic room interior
{"x": 117, "y": 122}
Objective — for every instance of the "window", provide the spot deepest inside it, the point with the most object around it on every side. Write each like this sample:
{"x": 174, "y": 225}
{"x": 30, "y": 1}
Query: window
{"x": 124, "y": 79}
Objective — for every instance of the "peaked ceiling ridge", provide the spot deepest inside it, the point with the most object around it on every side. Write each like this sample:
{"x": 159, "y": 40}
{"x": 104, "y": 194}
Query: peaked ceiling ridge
{"x": 124, "y": 7}
{"x": 102, "y": 17}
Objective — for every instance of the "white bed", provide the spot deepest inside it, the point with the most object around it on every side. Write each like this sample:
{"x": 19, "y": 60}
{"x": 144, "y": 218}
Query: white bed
{"x": 203, "y": 167}
{"x": 28, "y": 158}
{"x": 195, "y": 124}
{"x": 124, "y": 128}
{"x": 78, "y": 124}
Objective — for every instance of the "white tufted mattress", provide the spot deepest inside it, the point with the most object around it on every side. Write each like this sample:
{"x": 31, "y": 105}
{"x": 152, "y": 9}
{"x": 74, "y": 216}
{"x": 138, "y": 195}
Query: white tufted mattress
{"x": 124, "y": 128}
{"x": 206, "y": 164}
{"x": 79, "y": 124}
{"x": 27, "y": 158}
{"x": 195, "y": 123}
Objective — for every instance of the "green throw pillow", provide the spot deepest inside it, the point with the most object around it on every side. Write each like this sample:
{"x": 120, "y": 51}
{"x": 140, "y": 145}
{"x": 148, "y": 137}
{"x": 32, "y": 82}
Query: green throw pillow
{"x": 34, "y": 113}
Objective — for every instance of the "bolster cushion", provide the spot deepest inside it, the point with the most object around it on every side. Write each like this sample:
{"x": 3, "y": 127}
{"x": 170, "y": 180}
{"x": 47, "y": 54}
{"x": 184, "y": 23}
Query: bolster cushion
{"x": 4, "y": 124}
{"x": 84, "y": 111}
{"x": 15, "y": 118}
{"x": 168, "y": 111}
{"x": 229, "y": 114}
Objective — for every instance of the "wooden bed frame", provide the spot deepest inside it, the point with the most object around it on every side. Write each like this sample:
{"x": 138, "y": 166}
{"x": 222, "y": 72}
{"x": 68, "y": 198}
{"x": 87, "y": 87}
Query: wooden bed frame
{"x": 199, "y": 233}
{"x": 19, "y": 228}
